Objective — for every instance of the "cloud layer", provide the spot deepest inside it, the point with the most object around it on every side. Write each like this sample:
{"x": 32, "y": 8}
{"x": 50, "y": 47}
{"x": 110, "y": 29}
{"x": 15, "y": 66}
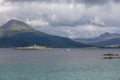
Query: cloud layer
{"x": 68, "y": 18}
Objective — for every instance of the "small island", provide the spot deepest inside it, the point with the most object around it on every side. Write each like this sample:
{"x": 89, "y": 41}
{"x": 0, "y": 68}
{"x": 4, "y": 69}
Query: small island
{"x": 35, "y": 47}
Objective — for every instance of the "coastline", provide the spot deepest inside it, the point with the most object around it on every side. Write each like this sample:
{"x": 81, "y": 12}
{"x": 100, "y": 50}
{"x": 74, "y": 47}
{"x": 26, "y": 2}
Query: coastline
{"x": 32, "y": 48}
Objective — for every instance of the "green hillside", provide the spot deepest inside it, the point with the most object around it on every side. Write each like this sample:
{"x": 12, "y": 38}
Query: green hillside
{"x": 18, "y": 34}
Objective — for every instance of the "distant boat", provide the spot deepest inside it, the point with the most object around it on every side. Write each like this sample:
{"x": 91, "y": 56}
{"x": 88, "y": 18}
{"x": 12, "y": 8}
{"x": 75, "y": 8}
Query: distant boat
{"x": 68, "y": 49}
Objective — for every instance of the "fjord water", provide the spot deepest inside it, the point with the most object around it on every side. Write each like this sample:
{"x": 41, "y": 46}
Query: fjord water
{"x": 58, "y": 64}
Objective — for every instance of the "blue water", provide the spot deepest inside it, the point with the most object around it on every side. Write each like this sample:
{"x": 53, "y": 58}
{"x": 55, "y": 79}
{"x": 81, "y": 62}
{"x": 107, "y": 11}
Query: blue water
{"x": 58, "y": 64}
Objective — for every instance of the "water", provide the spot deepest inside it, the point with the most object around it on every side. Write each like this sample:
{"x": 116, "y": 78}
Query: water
{"x": 58, "y": 64}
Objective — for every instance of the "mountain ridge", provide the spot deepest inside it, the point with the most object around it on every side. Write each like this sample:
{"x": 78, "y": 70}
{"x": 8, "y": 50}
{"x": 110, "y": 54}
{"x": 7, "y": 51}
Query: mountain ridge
{"x": 18, "y": 34}
{"x": 15, "y": 24}
{"x": 105, "y": 39}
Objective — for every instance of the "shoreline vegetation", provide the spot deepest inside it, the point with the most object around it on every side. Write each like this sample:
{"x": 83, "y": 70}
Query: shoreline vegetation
{"x": 35, "y": 47}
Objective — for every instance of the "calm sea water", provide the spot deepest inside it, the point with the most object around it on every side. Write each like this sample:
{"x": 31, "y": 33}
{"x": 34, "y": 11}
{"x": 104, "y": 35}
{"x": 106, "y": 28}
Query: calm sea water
{"x": 58, "y": 64}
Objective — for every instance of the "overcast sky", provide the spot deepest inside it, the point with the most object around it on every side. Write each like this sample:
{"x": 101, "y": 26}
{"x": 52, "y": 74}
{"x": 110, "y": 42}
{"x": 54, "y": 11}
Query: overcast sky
{"x": 68, "y": 18}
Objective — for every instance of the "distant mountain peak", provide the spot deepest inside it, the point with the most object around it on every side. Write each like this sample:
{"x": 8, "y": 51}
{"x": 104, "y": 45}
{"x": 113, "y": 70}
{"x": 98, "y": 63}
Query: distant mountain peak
{"x": 18, "y": 34}
{"x": 14, "y": 20}
{"x": 16, "y": 25}
{"x": 105, "y": 34}
{"x": 105, "y": 39}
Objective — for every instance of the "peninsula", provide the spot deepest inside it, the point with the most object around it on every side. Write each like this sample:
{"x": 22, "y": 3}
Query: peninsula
{"x": 35, "y": 47}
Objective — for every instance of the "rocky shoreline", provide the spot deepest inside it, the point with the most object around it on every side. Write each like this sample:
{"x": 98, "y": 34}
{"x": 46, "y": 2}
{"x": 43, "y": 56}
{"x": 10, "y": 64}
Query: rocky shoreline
{"x": 111, "y": 56}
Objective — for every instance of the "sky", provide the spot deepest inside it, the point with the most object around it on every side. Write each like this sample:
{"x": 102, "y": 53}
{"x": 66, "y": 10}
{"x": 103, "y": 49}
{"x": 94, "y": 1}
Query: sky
{"x": 67, "y": 18}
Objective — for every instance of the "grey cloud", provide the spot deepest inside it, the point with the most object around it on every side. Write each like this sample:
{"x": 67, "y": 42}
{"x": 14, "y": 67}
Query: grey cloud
{"x": 58, "y": 17}
{"x": 117, "y": 0}
{"x": 68, "y": 1}
{"x": 85, "y": 31}
{"x": 65, "y": 14}
{"x": 91, "y": 2}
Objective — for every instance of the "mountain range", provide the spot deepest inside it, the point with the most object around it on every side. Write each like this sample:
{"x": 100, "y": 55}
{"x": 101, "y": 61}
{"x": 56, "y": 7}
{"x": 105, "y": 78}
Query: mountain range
{"x": 18, "y": 34}
{"x": 104, "y": 40}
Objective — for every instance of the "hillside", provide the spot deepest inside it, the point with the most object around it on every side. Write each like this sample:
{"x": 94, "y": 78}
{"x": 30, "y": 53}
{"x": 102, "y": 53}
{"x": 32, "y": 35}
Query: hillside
{"x": 18, "y": 34}
{"x": 106, "y": 39}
